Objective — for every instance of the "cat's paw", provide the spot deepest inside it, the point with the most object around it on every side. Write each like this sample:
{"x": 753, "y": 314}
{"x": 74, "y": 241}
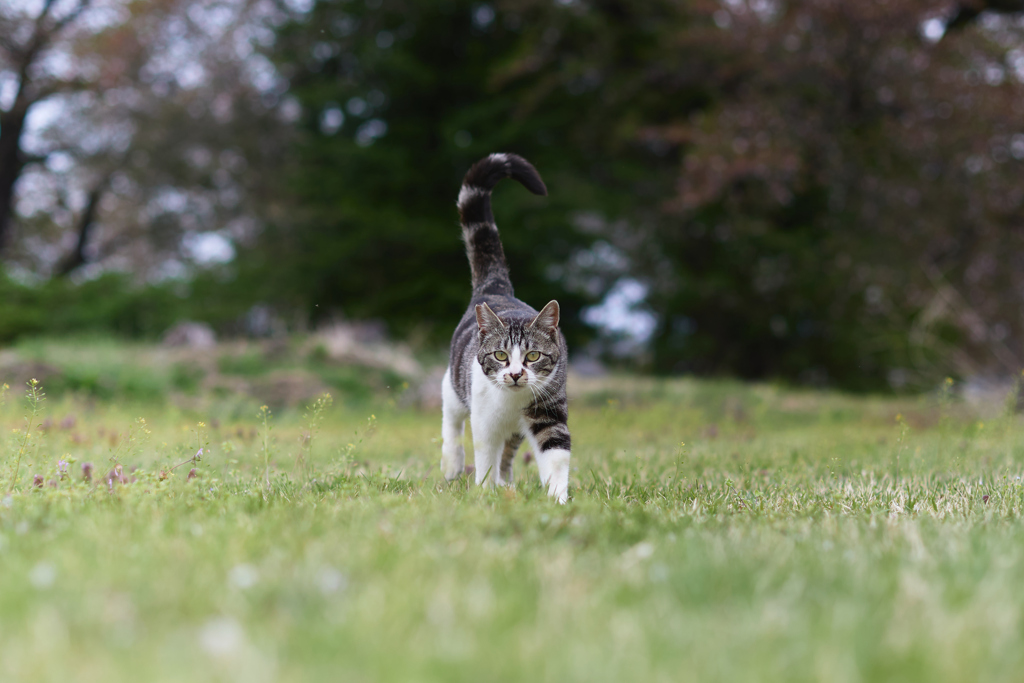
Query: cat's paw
{"x": 558, "y": 488}
{"x": 453, "y": 460}
{"x": 451, "y": 468}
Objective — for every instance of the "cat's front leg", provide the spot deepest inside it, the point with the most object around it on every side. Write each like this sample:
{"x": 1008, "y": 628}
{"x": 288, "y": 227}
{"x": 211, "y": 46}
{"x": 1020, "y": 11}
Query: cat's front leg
{"x": 551, "y": 443}
{"x": 488, "y": 445}
{"x": 453, "y": 421}
{"x": 554, "y": 467}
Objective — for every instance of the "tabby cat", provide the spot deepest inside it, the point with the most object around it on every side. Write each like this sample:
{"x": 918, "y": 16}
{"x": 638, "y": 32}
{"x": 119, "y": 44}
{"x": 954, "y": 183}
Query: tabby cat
{"x": 506, "y": 371}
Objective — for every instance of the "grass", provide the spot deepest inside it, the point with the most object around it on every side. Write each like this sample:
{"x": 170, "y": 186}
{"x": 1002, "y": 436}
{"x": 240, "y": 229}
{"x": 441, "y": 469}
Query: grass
{"x": 716, "y": 532}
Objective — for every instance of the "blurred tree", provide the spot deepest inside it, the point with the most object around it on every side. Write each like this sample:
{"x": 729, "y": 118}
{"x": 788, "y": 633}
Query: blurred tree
{"x": 400, "y": 97}
{"x": 795, "y": 184}
{"x": 150, "y": 126}
{"x": 26, "y": 39}
{"x": 851, "y": 211}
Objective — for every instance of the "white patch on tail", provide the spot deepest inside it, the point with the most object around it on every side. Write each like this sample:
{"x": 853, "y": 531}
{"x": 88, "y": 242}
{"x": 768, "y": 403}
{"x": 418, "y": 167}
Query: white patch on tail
{"x": 468, "y": 192}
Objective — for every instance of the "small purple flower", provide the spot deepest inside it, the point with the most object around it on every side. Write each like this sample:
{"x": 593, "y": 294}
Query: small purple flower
{"x": 117, "y": 475}
{"x": 192, "y": 474}
{"x": 37, "y": 481}
{"x": 62, "y": 468}
{"x": 198, "y": 456}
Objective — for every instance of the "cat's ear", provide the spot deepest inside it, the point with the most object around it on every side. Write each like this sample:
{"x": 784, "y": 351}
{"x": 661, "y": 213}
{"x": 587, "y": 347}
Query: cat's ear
{"x": 547, "y": 319}
{"x": 487, "y": 320}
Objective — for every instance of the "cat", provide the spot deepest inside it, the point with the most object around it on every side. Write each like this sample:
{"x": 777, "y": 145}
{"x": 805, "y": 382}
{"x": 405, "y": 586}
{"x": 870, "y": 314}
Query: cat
{"x": 507, "y": 367}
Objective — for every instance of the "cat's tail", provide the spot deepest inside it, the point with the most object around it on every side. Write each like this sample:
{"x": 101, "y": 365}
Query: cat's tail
{"x": 483, "y": 244}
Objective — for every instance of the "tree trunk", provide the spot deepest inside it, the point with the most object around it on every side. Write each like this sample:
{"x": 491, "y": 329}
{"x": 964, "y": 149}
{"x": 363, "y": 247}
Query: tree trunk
{"x": 76, "y": 258}
{"x": 12, "y": 123}
{"x": 11, "y": 163}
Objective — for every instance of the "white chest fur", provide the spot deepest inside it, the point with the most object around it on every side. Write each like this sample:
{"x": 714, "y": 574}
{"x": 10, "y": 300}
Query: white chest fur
{"x": 496, "y": 413}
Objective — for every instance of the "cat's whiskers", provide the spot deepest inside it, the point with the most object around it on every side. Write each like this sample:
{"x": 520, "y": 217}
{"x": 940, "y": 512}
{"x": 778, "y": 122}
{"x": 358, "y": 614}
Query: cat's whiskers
{"x": 543, "y": 391}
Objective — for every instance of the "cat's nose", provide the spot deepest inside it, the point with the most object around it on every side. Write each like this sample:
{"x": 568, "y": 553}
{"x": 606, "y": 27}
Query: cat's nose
{"x": 515, "y": 376}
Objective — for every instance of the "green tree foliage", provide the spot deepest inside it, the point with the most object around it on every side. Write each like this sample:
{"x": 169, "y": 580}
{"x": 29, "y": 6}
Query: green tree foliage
{"x": 106, "y": 304}
{"x": 399, "y": 98}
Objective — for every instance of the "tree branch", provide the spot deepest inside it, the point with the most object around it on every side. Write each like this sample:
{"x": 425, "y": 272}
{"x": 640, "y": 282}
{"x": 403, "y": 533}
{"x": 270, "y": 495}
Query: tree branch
{"x": 27, "y": 159}
{"x": 963, "y": 16}
{"x": 43, "y": 36}
{"x": 54, "y": 87}
{"x": 59, "y": 25}
{"x": 967, "y": 12}
{"x": 6, "y": 43}
{"x": 86, "y": 221}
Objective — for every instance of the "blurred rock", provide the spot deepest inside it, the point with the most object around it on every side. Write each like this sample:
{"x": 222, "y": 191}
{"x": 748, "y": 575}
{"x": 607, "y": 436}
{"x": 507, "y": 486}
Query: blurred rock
{"x": 426, "y": 392}
{"x": 368, "y": 331}
{"x": 261, "y": 321}
{"x": 287, "y": 388}
{"x": 587, "y": 366}
{"x": 990, "y": 395}
{"x": 16, "y": 372}
{"x": 364, "y": 344}
{"x": 276, "y": 348}
{"x": 192, "y": 335}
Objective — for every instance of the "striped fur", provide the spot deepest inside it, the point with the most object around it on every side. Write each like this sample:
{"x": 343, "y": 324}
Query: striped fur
{"x": 493, "y": 378}
{"x": 483, "y": 244}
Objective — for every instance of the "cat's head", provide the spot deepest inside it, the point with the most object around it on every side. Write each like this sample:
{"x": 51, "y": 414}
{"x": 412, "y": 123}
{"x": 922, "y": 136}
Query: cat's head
{"x": 516, "y": 352}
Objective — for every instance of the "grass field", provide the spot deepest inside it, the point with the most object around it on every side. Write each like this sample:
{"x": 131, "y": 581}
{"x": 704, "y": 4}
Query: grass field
{"x": 715, "y": 532}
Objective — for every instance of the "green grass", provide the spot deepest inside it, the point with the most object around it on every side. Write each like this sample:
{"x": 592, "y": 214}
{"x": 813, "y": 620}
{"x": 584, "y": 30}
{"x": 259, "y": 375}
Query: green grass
{"x": 716, "y": 532}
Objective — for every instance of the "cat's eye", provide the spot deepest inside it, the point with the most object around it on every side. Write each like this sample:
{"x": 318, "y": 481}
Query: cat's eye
{"x": 532, "y": 356}
{"x": 501, "y": 355}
